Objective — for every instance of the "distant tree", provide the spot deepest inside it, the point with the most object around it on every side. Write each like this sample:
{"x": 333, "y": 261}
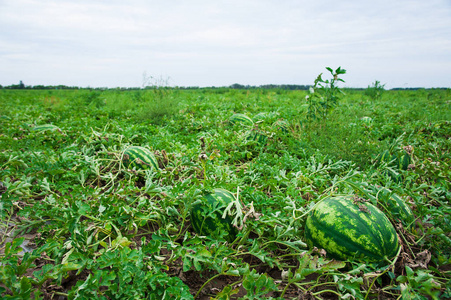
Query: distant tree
{"x": 237, "y": 86}
{"x": 21, "y": 85}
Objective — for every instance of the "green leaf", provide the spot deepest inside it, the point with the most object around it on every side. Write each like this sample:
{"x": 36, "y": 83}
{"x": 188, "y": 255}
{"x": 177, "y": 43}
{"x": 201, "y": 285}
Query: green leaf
{"x": 339, "y": 71}
{"x": 409, "y": 272}
{"x": 25, "y": 287}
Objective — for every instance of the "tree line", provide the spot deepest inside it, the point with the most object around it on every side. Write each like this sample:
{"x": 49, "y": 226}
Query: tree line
{"x": 22, "y": 86}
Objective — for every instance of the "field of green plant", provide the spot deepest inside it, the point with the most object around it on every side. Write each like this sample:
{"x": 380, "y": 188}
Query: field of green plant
{"x": 78, "y": 222}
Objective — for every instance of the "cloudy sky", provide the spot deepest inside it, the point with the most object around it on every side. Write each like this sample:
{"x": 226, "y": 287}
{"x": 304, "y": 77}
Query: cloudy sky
{"x": 109, "y": 43}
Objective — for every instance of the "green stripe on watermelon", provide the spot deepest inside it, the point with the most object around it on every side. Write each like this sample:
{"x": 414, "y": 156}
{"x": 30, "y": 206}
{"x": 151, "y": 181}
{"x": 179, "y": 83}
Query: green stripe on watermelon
{"x": 241, "y": 118}
{"x": 139, "y": 158}
{"x": 404, "y": 161}
{"x": 385, "y": 156}
{"x": 214, "y": 225}
{"x": 349, "y": 231}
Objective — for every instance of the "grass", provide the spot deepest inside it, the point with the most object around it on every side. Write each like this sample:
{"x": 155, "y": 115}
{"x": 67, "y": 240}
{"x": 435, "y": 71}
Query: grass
{"x": 98, "y": 229}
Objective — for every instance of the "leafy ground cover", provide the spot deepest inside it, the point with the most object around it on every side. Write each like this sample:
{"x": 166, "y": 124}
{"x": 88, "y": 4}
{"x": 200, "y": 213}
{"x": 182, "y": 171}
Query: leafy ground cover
{"x": 77, "y": 224}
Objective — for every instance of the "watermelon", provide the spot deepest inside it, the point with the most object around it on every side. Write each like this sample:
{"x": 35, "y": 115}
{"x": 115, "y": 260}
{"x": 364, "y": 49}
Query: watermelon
{"x": 395, "y": 162}
{"x": 399, "y": 160}
{"x": 260, "y": 117}
{"x": 404, "y": 161}
{"x": 388, "y": 158}
{"x": 281, "y": 125}
{"x": 395, "y": 206}
{"x": 139, "y": 158}
{"x": 350, "y": 230}
{"x": 213, "y": 224}
{"x": 241, "y": 118}
{"x": 399, "y": 209}
{"x": 46, "y": 127}
{"x": 367, "y": 120}
{"x": 257, "y": 136}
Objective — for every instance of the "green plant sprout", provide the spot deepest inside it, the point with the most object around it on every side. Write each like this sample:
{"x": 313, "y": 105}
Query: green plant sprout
{"x": 324, "y": 95}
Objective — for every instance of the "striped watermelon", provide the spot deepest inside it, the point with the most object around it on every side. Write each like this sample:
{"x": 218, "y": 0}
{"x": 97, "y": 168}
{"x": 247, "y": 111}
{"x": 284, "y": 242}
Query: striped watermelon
{"x": 208, "y": 225}
{"x": 281, "y": 125}
{"x": 257, "y": 136}
{"x": 350, "y": 230}
{"x": 139, "y": 158}
{"x": 241, "y": 118}
{"x": 388, "y": 158}
{"x": 399, "y": 209}
{"x": 260, "y": 117}
{"x": 394, "y": 175}
{"x": 46, "y": 127}
{"x": 404, "y": 161}
{"x": 399, "y": 160}
{"x": 367, "y": 120}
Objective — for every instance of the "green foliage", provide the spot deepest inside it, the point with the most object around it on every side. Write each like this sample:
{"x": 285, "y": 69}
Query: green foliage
{"x": 158, "y": 105}
{"x": 125, "y": 274}
{"x": 75, "y": 223}
{"x": 418, "y": 281}
{"x": 324, "y": 95}
{"x": 375, "y": 91}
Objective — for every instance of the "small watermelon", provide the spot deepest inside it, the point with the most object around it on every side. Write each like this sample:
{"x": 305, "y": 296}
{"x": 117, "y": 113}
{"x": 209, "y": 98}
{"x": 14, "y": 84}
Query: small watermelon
{"x": 241, "y": 118}
{"x": 399, "y": 209}
{"x": 257, "y": 136}
{"x": 387, "y": 158}
{"x": 393, "y": 174}
{"x": 260, "y": 117}
{"x": 367, "y": 120}
{"x": 350, "y": 230}
{"x": 383, "y": 157}
{"x": 46, "y": 127}
{"x": 281, "y": 125}
{"x": 208, "y": 225}
{"x": 139, "y": 158}
{"x": 404, "y": 161}
{"x": 399, "y": 160}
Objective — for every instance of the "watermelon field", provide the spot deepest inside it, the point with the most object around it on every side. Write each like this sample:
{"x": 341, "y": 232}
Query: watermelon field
{"x": 222, "y": 193}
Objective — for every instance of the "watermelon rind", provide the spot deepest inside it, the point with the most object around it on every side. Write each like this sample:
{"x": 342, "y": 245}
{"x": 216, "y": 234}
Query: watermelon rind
{"x": 214, "y": 224}
{"x": 350, "y": 230}
{"x": 137, "y": 157}
{"x": 241, "y": 118}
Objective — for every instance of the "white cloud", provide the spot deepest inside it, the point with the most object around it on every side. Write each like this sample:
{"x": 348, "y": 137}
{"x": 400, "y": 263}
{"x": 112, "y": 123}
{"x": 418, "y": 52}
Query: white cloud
{"x": 204, "y": 43}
